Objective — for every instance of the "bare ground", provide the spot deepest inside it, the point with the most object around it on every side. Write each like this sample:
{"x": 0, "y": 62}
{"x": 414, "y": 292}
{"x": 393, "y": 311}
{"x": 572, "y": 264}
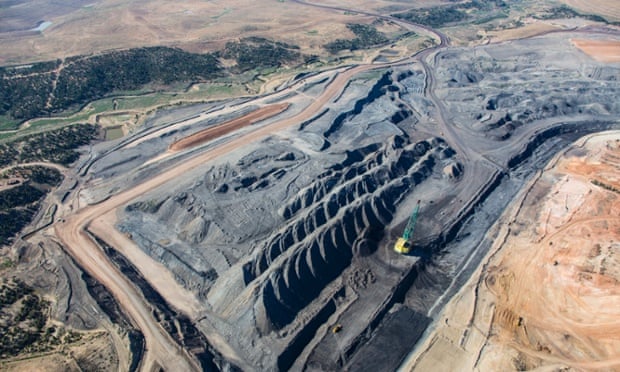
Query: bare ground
{"x": 161, "y": 349}
{"x": 93, "y": 352}
{"x": 600, "y": 50}
{"x": 529, "y": 30}
{"x": 609, "y": 9}
{"x": 547, "y": 295}
{"x": 196, "y": 26}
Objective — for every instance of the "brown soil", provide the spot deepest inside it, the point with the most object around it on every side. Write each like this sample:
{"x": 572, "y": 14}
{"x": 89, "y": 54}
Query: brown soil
{"x": 610, "y": 9}
{"x": 93, "y": 352}
{"x": 548, "y": 295}
{"x": 529, "y": 30}
{"x": 194, "y": 26}
{"x": 600, "y": 50}
{"x": 228, "y": 127}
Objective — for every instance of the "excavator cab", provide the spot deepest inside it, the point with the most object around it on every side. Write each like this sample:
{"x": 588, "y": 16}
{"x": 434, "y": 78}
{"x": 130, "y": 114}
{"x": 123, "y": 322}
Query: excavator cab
{"x": 402, "y": 246}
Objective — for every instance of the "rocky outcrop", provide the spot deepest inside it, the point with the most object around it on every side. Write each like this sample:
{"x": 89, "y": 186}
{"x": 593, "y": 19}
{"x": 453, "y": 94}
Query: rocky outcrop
{"x": 453, "y": 170}
{"x": 379, "y": 89}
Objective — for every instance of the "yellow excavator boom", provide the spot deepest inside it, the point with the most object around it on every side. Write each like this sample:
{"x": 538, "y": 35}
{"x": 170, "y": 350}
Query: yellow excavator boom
{"x": 403, "y": 244}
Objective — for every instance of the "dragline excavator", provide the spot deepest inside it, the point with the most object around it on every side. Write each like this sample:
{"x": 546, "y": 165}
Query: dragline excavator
{"x": 403, "y": 244}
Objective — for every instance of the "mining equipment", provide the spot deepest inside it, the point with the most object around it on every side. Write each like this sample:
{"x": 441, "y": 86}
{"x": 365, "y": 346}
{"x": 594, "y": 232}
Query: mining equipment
{"x": 403, "y": 244}
{"x": 337, "y": 328}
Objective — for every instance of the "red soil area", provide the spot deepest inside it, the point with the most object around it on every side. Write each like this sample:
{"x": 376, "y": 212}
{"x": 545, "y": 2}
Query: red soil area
{"x": 228, "y": 127}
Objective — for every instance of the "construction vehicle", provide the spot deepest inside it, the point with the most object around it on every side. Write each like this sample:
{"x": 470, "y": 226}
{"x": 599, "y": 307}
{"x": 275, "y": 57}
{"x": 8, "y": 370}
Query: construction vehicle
{"x": 337, "y": 328}
{"x": 403, "y": 244}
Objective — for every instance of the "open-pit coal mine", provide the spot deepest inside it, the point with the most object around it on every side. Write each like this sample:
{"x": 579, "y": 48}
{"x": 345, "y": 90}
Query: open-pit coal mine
{"x": 286, "y": 240}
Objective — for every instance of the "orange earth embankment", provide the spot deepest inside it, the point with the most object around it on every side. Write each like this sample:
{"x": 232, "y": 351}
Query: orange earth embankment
{"x": 600, "y": 50}
{"x": 228, "y": 127}
{"x": 548, "y": 294}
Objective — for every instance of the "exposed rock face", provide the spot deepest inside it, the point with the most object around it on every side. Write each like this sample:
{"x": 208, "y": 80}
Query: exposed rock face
{"x": 348, "y": 204}
{"x": 178, "y": 227}
{"x": 338, "y": 213}
{"x": 266, "y": 237}
{"x": 286, "y": 237}
{"x": 291, "y": 282}
{"x": 453, "y": 170}
{"x": 498, "y": 90}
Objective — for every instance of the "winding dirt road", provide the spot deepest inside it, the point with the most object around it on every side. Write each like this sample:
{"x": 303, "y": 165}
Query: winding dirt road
{"x": 161, "y": 350}
{"x": 58, "y": 167}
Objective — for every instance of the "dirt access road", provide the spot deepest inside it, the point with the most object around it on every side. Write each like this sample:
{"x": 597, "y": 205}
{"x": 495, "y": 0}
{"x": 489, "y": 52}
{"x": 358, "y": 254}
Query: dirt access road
{"x": 161, "y": 350}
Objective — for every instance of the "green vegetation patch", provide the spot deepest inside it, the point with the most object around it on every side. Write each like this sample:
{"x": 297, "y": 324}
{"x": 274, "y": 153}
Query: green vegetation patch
{"x": 38, "y": 174}
{"x": 367, "y": 37}
{"x": 44, "y": 90}
{"x": 55, "y": 146}
{"x": 41, "y": 89}
{"x": 564, "y": 11}
{"x": 19, "y": 204}
{"x": 19, "y": 196}
{"x": 13, "y": 221}
{"x": 94, "y": 77}
{"x": 8, "y": 123}
{"x": 23, "y": 322}
{"x": 255, "y": 52}
{"x": 440, "y": 16}
{"x": 26, "y": 96}
{"x": 113, "y": 133}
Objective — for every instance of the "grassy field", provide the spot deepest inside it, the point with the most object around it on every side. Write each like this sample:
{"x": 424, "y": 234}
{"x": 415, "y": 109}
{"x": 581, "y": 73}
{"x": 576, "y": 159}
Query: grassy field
{"x": 7, "y": 123}
{"x": 113, "y": 133}
{"x": 199, "y": 26}
{"x": 111, "y": 106}
{"x": 311, "y": 35}
{"x": 609, "y": 9}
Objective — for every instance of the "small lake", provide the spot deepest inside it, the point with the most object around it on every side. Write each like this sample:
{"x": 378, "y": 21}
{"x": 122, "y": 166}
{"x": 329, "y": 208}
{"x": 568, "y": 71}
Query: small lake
{"x": 42, "y": 26}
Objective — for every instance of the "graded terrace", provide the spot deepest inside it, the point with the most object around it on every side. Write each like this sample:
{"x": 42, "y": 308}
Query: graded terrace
{"x": 309, "y": 186}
